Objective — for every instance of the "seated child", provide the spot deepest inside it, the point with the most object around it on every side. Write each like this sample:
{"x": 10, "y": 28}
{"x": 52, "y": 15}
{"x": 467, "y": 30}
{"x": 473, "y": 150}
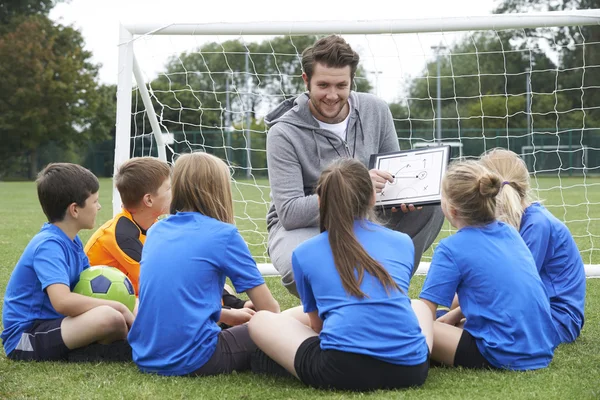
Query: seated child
{"x": 364, "y": 332}
{"x": 554, "y": 250}
{"x": 508, "y": 320}
{"x": 43, "y": 320}
{"x": 144, "y": 184}
{"x": 185, "y": 261}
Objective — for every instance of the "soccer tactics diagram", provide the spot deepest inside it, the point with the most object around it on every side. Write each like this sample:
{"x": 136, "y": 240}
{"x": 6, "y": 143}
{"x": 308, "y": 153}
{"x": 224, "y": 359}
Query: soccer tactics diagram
{"x": 417, "y": 175}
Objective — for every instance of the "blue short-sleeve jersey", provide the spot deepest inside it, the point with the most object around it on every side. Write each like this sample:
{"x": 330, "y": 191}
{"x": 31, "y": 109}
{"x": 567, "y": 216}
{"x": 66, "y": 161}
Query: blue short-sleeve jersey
{"x": 381, "y": 325}
{"x": 560, "y": 266}
{"x": 184, "y": 263}
{"x": 51, "y": 257}
{"x": 500, "y": 293}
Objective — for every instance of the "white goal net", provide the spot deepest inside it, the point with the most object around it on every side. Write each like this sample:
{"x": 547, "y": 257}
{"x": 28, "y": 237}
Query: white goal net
{"x": 527, "y": 82}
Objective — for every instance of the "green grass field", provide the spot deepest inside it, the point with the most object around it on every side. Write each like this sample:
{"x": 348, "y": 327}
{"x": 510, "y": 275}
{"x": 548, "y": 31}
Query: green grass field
{"x": 574, "y": 373}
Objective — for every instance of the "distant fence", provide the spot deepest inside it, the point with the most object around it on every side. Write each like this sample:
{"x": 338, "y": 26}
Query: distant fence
{"x": 570, "y": 152}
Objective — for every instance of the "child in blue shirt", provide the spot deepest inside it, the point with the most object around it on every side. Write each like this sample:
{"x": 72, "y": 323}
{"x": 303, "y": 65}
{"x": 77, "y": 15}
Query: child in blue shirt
{"x": 554, "y": 250}
{"x": 184, "y": 263}
{"x": 43, "y": 320}
{"x": 353, "y": 278}
{"x": 508, "y": 321}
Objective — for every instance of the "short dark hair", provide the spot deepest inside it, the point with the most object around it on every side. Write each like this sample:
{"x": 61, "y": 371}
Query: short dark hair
{"x": 332, "y": 51}
{"x": 138, "y": 176}
{"x": 62, "y": 184}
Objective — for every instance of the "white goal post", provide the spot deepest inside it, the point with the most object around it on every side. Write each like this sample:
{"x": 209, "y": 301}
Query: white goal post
{"x": 482, "y": 82}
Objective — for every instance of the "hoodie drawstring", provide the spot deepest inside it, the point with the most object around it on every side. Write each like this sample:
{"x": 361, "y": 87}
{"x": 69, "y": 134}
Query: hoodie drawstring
{"x": 314, "y": 135}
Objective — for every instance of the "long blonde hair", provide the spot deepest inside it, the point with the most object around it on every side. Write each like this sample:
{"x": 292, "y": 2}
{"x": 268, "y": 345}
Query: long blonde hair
{"x": 345, "y": 192}
{"x": 471, "y": 190}
{"x": 201, "y": 183}
{"x": 515, "y": 195}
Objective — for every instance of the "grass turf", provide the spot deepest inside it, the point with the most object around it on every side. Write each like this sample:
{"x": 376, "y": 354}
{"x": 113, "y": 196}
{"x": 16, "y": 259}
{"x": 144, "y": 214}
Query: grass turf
{"x": 574, "y": 373}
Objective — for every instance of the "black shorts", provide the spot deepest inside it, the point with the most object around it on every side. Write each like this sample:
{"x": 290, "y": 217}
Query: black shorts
{"x": 234, "y": 349}
{"x": 468, "y": 354}
{"x": 332, "y": 369}
{"x": 42, "y": 342}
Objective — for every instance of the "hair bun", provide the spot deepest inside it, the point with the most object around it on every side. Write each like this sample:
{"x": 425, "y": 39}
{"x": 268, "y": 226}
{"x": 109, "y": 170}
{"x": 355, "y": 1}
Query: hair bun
{"x": 489, "y": 185}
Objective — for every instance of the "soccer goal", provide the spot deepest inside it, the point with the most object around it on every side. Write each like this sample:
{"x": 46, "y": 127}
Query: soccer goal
{"x": 528, "y": 82}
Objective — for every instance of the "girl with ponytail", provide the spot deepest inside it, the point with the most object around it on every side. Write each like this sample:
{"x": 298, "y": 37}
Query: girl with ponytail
{"x": 364, "y": 333}
{"x": 554, "y": 250}
{"x": 506, "y": 313}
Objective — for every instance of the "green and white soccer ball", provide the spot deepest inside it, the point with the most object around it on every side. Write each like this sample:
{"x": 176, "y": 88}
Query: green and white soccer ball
{"x": 107, "y": 283}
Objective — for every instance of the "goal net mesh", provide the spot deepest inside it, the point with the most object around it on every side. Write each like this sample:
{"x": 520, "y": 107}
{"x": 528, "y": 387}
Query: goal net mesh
{"x": 534, "y": 91}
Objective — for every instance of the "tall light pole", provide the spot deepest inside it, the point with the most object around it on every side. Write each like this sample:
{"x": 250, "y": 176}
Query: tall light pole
{"x": 248, "y": 120}
{"x": 528, "y": 98}
{"x": 438, "y": 134}
{"x": 376, "y": 80}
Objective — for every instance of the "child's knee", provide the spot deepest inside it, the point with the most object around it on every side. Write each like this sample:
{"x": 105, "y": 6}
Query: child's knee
{"x": 110, "y": 320}
{"x": 261, "y": 318}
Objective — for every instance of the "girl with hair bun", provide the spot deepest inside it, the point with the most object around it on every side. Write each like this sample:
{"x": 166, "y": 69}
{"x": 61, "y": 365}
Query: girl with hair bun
{"x": 506, "y": 313}
{"x": 364, "y": 333}
{"x": 554, "y": 250}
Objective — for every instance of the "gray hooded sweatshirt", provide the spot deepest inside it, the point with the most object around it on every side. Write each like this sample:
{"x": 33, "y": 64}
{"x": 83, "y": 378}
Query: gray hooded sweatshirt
{"x": 298, "y": 150}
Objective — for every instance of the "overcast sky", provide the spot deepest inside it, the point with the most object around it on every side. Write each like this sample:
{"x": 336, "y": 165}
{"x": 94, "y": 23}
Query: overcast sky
{"x": 99, "y": 20}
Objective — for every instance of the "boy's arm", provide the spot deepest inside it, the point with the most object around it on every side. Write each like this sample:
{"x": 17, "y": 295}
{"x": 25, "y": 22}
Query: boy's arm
{"x": 73, "y": 304}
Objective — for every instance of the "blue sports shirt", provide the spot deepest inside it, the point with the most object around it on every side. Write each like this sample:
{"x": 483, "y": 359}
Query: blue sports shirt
{"x": 50, "y": 257}
{"x": 382, "y": 326}
{"x": 184, "y": 263}
{"x": 560, "y": 266}
{"x": 500, "y": 293}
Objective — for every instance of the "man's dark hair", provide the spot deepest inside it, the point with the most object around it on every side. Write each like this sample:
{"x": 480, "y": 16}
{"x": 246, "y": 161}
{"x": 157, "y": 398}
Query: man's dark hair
{"x": 62, "y": 184}
{"x": 333, "y": 52}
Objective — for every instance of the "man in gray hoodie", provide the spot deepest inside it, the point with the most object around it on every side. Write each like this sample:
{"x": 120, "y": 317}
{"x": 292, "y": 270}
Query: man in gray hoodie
{"x": 308, "y": 132}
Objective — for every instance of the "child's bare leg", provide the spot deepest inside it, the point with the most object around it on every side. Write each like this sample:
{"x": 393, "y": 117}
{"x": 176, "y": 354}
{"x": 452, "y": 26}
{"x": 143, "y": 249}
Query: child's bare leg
{"x": 229, "y": 289}
{"x": 445, "y": 342}
{"x": 423, "y": 314}
{"x": 279, "y": 336}
{"x": 136, "y": 307}
{"x": 298, "y": 314}
{"x": 454, "y": 302}
{"x": 102, "y": 324}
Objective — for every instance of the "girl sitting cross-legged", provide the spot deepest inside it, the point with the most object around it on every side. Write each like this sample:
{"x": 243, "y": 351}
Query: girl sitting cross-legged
{"x": 554, "y": 250}
{"x": 508, "y": 321}
{"x": 364, "y": 332}
{"x": 184, "y": 263}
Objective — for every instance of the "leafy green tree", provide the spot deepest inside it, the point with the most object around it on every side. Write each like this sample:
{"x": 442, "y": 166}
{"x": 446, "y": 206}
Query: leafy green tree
{"x": 483, "y": 85}
{"x": 190, "y": 97}
{"x": 577, "y": 49}
{"x": 10, "y": 9}
{"x": 48, "y": 90}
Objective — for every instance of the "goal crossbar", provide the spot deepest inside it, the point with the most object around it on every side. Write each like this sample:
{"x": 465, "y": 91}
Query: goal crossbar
{"x": 447, "y": 24}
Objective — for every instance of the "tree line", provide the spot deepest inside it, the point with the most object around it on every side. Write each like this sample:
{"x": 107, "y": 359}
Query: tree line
{"x": 50, "y": 95}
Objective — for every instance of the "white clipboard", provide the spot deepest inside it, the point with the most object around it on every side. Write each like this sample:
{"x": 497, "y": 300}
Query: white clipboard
{"x": 417, "y": 175}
